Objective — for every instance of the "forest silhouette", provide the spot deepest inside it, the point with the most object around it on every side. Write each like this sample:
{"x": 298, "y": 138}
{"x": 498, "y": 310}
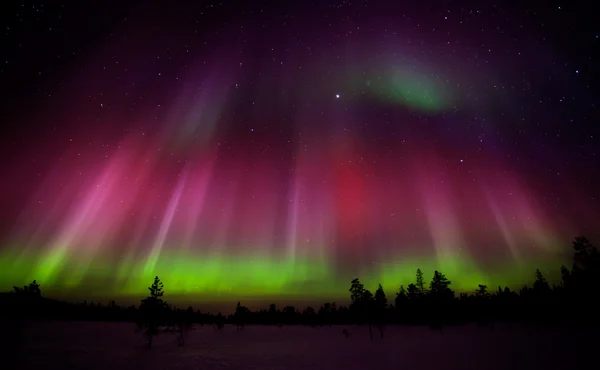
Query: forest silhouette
{"x": 573, "y": 302}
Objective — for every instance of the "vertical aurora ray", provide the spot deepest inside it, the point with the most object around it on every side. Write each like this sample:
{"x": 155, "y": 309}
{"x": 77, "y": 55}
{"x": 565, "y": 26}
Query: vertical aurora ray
{"x": 444, "y": 227}
{"x": 198, "y": 189}
{"x": 157, "y": 246}
{"x": 86, "y": 228}
{"x": 506, "y": 233}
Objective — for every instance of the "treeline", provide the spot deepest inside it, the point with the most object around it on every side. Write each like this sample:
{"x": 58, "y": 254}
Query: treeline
{"x": 573, "y": 301}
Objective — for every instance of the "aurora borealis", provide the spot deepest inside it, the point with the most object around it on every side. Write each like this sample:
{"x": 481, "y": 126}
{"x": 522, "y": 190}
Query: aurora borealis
{"x": 277, "y": 151}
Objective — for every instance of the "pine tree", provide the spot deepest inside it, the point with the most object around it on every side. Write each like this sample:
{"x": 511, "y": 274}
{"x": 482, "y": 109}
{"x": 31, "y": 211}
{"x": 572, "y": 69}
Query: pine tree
{"x": 565, "y": 277}
{"x": 380, "y": 298}
{"x": 541, "y": 284}
{"x": 440, "y": 287}
{"x": 357, "y": 290}
{"x": 401, "y": 298}
{"x": 362, "y": 303}
{"x": 420, "y": 284}
{"x": 153, "y": 310}
{"x": 413, "y": 292}
{"x": 380, "y": 303}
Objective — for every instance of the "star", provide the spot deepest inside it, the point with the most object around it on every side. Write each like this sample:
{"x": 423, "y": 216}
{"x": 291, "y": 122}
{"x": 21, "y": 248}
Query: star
{"x": 337, "y": 96}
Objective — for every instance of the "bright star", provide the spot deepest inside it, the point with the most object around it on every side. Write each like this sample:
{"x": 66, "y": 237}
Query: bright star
{"x": 337, "y": 96}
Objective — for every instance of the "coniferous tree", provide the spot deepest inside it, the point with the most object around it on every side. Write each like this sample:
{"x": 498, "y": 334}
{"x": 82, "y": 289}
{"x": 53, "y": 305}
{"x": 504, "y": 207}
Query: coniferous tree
{"x": 380, "y": 298}
{"x": 362, "y": 303}
{"x": 586, "y": 265}
{"x": 413, "y": 292}
{"x": 439, "y": 288}
{"x": 183, "y": 324}
{"x": 420, "y": 283}
{"x": 565, "y": 276}
{"x": 583, "y": 249}
{"x": 357, "y": 290}
{"x": 241, "y": 312}
{"x": 368, "y": 309}
{"x": 380, "y": 306}
{"x": 152, "y": 312}
{"x": 439, "y": 292}
{"x": 541, "y": 284}
{"x": 401, "y": 298}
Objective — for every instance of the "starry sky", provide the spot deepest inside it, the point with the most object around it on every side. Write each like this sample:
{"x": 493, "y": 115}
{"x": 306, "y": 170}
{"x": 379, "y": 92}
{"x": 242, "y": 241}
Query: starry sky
{"x": 265, "y": 149}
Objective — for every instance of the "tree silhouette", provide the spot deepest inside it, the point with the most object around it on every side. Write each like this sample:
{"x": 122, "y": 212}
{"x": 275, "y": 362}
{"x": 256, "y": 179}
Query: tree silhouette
{"x": 31, "y": 290}
{"x": 540, "y": 286}
{"x": 220, "y": 321}
{"x": 565, "y": 276}
{"x": 362, "y": 303}
{"x": 413, "y": 292}
{"x": 380, "y": 299}
{"x": 583, "y": 248}
{"x": 240, "y": 315}
{"x": 367, "y": 309}
{"x": 420, "y": 284}
{"x": 309, "y": 315}
{"x": 401, "y": 298}
{"x": 380, "y": 307}
{"x": 357, "y": 290}
{"x": 540, "y": 302}
{"x": 439, "y": 292}
{"x": 482, "y": 292}
{"x": 327, "y": 312}
{"x": 440, "y": 287}
{"x": 183, "y": 325}
{"x": 272, "y": 309}
{"x": 152, "y": 312}
{"x": 586, "y": 265}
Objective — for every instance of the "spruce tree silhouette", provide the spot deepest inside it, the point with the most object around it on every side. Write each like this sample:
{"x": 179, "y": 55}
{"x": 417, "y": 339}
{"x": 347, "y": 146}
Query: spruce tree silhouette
{"x": 413, "y": 293}
{"x": 565, "y": 276}
{"x": 586, "y": 266}
{"x": 420, "y": 284}
{"x": 152, "y": 312}
{"x": 541, "y": 284}
{"x": 368, "y": 308}
{"x": 240, "y": 316}
{"x": 400, "y": 301}
{"x": 380, "y": 308}
{"x": 584, "y": 252}
{"x": 362, "y": 304}
{"x": 439, "y": 288}
{"x": 357, "y": 290}
{"x": 439, "y": 293}
{"x": 482, "y": 313}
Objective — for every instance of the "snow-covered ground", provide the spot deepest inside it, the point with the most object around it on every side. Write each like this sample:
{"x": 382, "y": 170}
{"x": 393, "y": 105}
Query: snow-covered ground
{"x": 116, "y": 346}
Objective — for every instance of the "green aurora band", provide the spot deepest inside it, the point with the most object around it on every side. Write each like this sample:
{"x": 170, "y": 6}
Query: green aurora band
{"x": 212, "y": 277}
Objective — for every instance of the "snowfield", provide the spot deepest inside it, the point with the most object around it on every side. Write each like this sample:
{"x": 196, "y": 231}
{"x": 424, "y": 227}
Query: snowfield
{"x": 116, "y": 346}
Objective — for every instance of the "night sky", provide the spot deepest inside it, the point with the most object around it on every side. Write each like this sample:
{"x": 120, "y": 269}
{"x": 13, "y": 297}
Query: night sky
{"x": 248, "y": 149}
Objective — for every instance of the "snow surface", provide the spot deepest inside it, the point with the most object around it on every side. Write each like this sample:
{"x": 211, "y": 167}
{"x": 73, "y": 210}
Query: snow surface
{"x": 116, "y": 346}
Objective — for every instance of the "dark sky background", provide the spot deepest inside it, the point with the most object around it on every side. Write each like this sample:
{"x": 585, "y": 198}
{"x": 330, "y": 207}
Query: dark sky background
{"x": 277, "y": 146}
